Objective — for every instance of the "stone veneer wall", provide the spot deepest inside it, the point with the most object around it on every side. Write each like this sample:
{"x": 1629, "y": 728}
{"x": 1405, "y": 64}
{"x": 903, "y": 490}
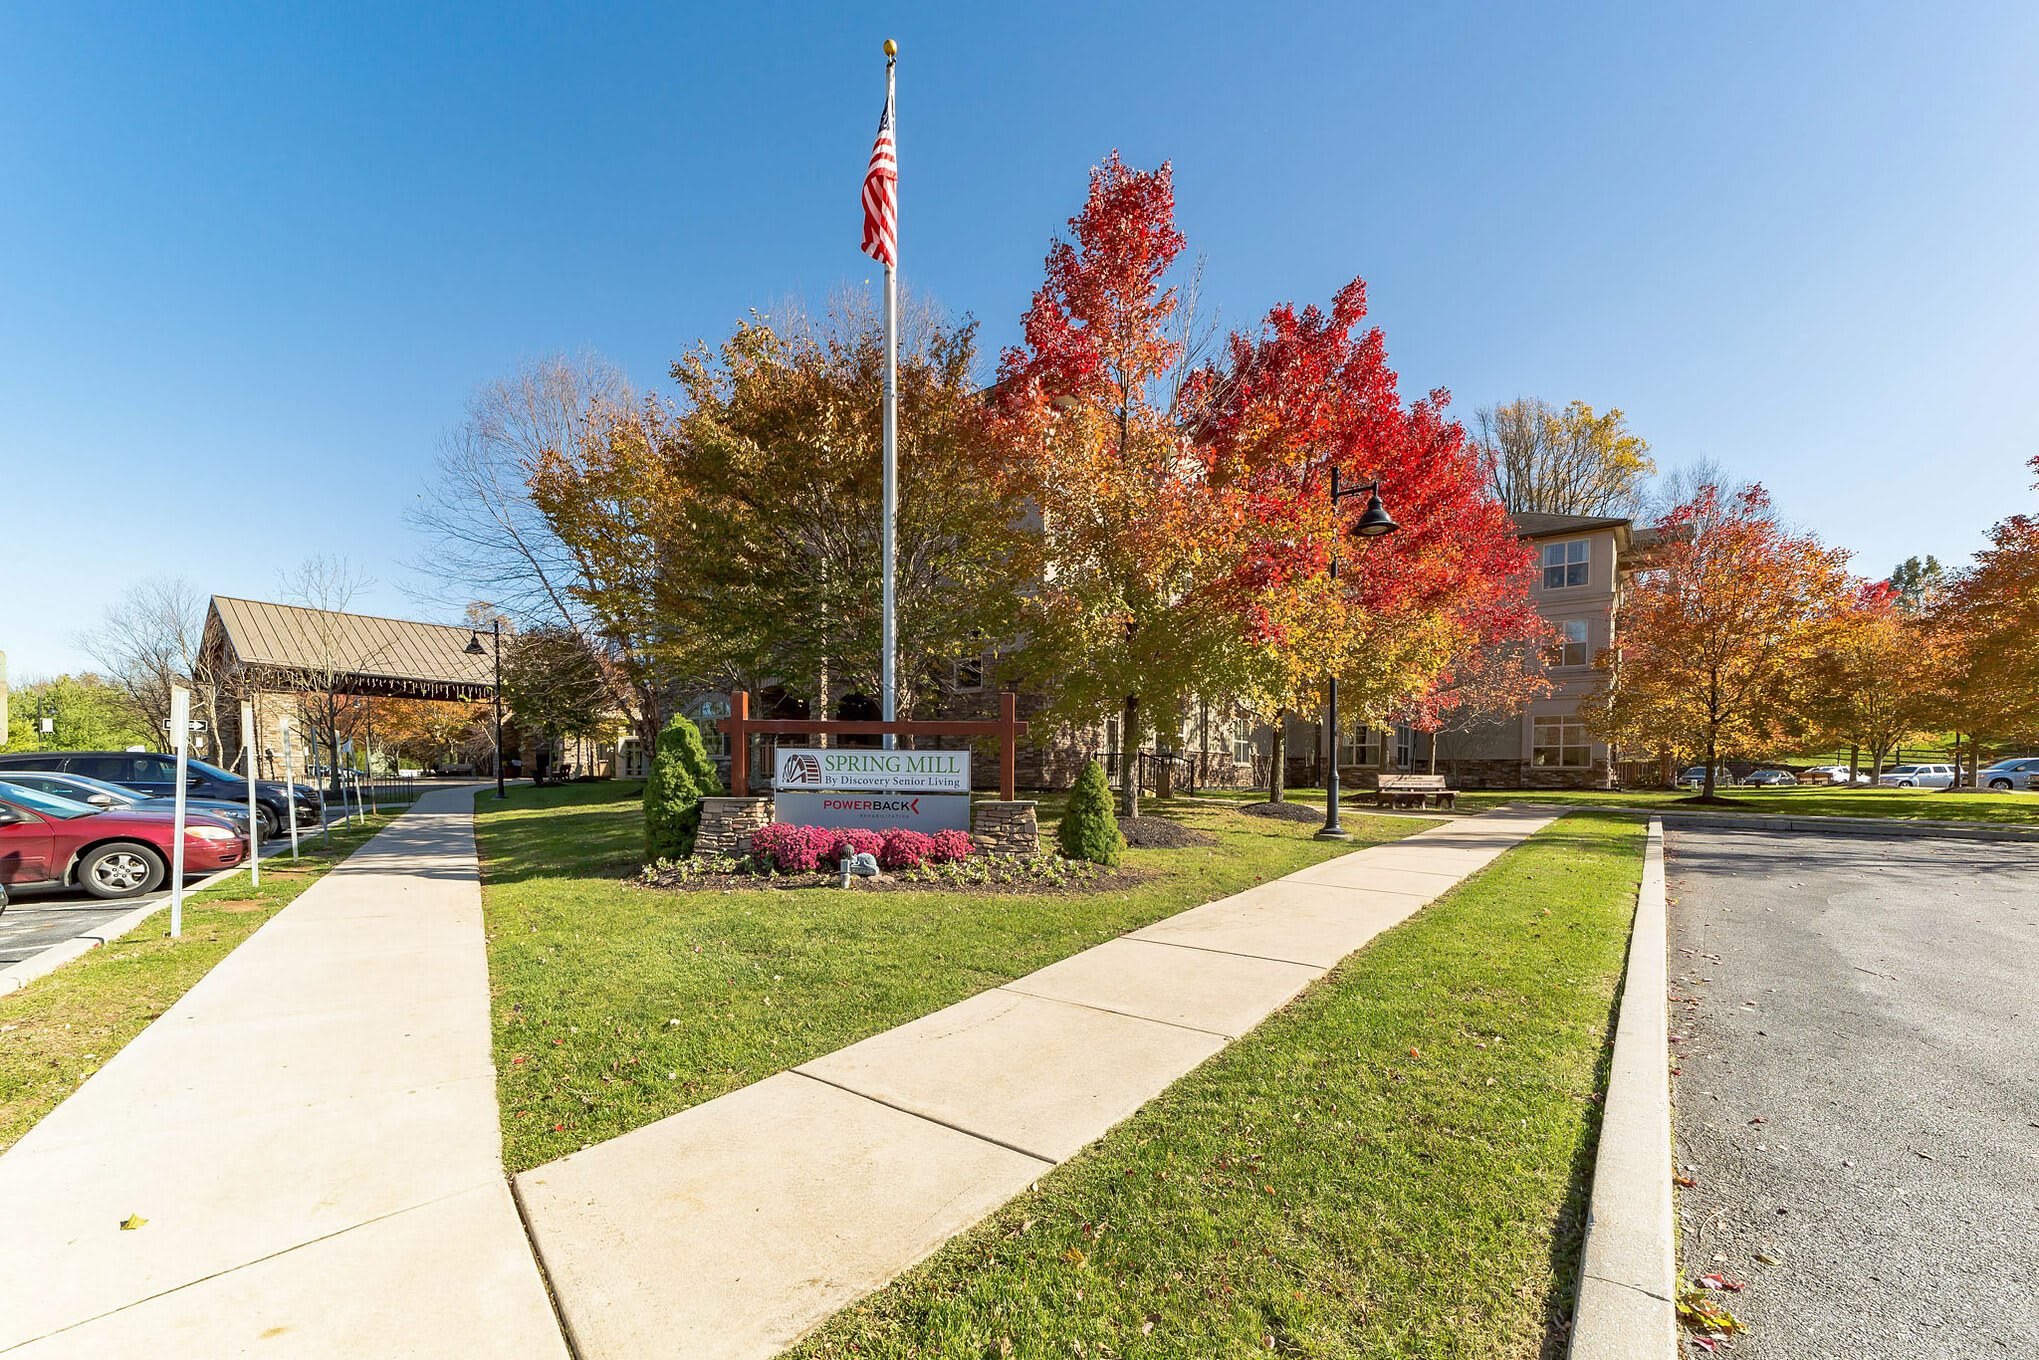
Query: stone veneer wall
{"x": 1001, "y": 828}
{"x": 727, "y": 824}
{"x": 1520, "y": 774}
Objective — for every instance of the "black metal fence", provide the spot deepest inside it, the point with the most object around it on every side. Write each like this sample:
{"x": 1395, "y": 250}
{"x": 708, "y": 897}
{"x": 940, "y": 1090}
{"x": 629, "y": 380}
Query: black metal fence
{"x": 352, "y": 791}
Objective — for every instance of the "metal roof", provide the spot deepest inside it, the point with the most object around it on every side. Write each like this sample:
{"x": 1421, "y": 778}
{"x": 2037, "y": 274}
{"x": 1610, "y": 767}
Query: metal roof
{"x": 1535, "y": 524}
{"x": 292, "y": 638}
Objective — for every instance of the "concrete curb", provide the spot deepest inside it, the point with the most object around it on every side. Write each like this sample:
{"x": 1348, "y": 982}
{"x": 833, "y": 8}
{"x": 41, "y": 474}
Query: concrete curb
{"x": 19, "y": 975}
{"x": 1844, "y": 826}
{"x": 1628, "y": 1269}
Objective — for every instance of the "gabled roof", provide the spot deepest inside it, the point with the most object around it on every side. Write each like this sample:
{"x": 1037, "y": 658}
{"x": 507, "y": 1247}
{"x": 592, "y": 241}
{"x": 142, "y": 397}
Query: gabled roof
{"x": 1535, "y": 524}
{"x": 403, "y": 652}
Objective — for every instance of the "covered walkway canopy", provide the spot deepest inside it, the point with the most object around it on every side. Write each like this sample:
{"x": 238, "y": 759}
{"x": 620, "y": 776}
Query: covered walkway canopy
{"x": 289, "y": 647}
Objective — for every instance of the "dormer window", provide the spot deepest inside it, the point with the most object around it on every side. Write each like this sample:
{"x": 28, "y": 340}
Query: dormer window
{"x": 1566, "y": 564}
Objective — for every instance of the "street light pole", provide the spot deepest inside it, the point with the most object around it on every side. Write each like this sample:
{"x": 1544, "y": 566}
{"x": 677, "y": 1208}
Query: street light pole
{"x": 474, "y": 648}
{"x": 496, "y": 631}
{"x": 1373, "y": 522}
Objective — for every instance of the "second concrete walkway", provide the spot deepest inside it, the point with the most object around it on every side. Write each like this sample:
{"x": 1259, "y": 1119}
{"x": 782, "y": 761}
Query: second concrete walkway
{"x": 732, "y": 1228}
{"x": 311, "y": 1135}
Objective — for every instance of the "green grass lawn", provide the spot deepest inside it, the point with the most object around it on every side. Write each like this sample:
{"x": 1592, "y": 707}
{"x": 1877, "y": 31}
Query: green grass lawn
{"x": 615, "y": 1005}
{"x": 1806, "y": 801}
{"x": 60, "y": 1029}
{"x": 1396, "y": 1164}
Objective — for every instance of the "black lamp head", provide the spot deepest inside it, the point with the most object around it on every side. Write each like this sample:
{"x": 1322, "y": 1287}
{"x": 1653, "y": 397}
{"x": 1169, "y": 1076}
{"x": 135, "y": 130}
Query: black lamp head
{"x": 1374, "y": 521}
{"x": 474, "y": 647}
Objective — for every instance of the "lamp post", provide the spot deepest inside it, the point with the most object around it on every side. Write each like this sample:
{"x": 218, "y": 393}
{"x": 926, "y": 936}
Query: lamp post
{"x": 1373, "y": 522}
{"x": 474, "y": 648}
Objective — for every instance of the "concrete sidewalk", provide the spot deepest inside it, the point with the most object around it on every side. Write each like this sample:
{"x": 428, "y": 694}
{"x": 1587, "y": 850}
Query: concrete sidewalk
{"x": 732, "y": 1228}
{"x": 311, "y": 1135}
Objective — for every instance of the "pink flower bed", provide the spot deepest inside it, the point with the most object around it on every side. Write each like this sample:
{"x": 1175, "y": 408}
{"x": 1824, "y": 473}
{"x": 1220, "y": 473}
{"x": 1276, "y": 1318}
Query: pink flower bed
{"x": 805, "y": 849}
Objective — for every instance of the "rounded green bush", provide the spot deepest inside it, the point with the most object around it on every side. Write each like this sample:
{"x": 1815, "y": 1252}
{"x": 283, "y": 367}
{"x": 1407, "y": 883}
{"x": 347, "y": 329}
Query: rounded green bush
{"x": 1090, "y": 829}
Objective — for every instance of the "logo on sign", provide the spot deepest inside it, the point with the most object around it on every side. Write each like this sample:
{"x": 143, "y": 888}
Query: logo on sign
{"x": 802, "y": 768}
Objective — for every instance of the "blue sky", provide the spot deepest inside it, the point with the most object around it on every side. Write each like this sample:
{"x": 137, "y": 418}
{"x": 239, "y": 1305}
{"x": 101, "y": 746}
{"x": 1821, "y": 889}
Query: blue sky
{"x": 252, "y": 259}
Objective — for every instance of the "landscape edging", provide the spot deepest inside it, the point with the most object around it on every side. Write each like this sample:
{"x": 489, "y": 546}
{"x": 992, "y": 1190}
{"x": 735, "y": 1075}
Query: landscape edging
{"x": 1628, "y": 1264}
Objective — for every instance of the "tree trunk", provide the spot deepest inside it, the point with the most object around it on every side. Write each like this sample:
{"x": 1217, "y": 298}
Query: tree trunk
{"x": 1707, "y": 786}
{"x": 1129, "y": 756}
{"x": 1854, "y": 762}
{"x": 1278, "y": 757}
{"x": 1433, "y": 752}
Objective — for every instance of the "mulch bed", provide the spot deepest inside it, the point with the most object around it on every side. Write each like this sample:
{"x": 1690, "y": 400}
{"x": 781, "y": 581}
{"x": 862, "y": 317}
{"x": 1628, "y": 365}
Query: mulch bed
{"x": 1286, "y": 812}
{"x": 1160, "y": 833}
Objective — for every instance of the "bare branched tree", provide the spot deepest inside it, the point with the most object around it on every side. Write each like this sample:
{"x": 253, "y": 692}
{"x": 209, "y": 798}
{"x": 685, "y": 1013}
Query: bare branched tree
{"x": 1683, "y": 483}
{"x": 149, "y": 641}
{"x": 483, "y": 537}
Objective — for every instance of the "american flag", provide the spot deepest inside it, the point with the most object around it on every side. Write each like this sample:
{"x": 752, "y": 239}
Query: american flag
{"x": 881, "y": 195}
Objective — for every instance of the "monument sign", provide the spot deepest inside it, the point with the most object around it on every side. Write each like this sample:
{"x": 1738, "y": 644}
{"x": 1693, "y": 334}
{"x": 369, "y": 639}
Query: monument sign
{"x": 918, "y": 790}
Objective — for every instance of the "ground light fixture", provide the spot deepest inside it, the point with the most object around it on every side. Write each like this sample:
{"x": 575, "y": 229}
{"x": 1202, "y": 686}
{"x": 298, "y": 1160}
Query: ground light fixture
{"x": 1373, "y": 522}
{"x": 474, "y": 648}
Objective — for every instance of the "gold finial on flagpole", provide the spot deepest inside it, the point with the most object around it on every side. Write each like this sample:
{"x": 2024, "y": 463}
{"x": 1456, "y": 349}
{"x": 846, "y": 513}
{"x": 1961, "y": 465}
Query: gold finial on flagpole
{"x": 891, "y": 48}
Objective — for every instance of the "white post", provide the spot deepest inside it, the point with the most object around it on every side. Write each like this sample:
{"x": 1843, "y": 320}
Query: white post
{"x": 289, "y": 788}
{"x": 254, "y": 811}
{"x": 180, "y": 734}
{"x": 889, "y": 639}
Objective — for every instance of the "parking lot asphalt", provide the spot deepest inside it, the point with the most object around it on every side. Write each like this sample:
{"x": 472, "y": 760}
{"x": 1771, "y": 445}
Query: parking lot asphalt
{"x": 35, "y": 920}
{"x": 1856, "y": 1040}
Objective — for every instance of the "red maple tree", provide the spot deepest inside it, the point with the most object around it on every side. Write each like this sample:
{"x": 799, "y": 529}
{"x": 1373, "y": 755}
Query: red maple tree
{"x": 1414, "y": 623}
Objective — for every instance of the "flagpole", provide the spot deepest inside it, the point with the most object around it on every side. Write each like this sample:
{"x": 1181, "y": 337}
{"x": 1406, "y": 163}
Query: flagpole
{"x": 890, "y": 631}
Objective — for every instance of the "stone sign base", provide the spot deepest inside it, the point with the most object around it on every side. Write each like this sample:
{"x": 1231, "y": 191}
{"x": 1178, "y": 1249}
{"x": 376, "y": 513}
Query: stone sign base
{"x": 1002, "y": 828}
{"x": 727, "y": 824}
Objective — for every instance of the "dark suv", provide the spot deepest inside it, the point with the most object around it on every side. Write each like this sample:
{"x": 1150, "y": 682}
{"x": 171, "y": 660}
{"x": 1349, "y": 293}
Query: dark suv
{"x": 156, "y": 776}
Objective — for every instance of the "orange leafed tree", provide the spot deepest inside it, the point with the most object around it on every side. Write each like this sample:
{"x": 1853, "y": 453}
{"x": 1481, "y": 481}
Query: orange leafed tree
{"x": 1990, "y": 620}
{"x": 1871, "y": 673}
{"x": 1717, "y": 630}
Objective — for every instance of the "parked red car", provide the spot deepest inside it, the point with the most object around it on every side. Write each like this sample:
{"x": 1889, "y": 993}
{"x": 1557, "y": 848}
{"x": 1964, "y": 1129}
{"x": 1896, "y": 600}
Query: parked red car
{"x": 51, "y": 841}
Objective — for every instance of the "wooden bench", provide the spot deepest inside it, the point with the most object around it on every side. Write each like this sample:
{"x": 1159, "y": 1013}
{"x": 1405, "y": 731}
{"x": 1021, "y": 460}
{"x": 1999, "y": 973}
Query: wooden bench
{"x": 1413, "y": 790}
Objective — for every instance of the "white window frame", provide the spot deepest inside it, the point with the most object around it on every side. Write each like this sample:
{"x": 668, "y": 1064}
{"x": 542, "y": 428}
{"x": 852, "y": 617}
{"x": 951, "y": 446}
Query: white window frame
{"x": 1405, "y": 746}
{"x": 1359, "y": 751}
{"x": 1571, "y": 561}
{"x": 1571, "y": 749}
{"x": 1571, "y": 651}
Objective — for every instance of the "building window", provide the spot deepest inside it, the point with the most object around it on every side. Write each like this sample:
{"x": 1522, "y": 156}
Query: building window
{"x": 1242, "y": 741}
{"x": 1566, "y": 564}
{"x": 708, "y": 713}
{"x": 1358, "y": 751}
{"x": 1571, "y": 647}
{"x": 1404, "y": 747}
{"x": 1560, "y": 743}
{"x": 969, "y": 673}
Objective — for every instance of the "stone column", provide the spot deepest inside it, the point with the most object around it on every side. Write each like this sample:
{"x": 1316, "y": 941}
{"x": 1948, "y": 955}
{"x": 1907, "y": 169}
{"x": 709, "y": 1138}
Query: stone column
{"x": 728, "y": 823}
{"x": 1001, "y": 828}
